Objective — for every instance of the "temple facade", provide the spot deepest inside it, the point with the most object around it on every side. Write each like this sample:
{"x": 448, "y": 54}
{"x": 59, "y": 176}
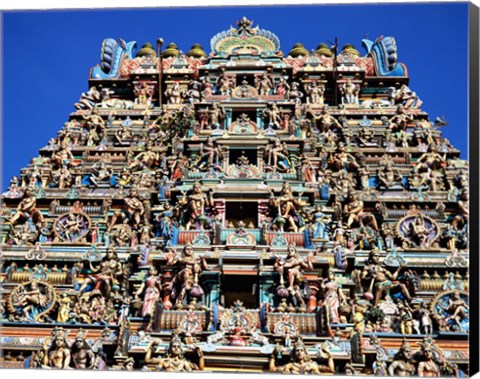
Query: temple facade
{"x": 244, "y": 210}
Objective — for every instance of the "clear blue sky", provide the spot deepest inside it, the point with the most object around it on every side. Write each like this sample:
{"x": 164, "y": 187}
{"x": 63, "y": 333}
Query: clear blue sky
{"x": 47, "y": 55}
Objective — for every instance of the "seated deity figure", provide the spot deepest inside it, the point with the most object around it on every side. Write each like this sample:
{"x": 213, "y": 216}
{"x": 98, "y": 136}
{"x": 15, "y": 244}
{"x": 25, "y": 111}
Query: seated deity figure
{"x": 277, "y": 156}
{"x": 104, "y": 275}
{"x": 27, "y": 209}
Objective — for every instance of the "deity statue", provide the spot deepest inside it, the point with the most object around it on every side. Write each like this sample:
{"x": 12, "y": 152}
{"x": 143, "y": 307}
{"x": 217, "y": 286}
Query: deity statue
{"x": 389, "y": 177}
{"x": 294, "y": 93}
{"x": 356, "y": 213}
{"x": 273, "y": 116}
{"x": 32, "y": 301}
{"x": 333, "y": 297}
{"x": 223, "y": 84}
{"x": 286, "y": 209}
{"x": 194, "y": 92}
{"x": 194, "y": 206}
{"x": 277, "y": 155}
{"x": 146, "y": 159}
{"x": 143, "y": 94}
{"x": 174, "y": 360}
{"x": 264, "y": 84}
{"x": 320, "y": 221}
{"x": 302, "y": 363}
{"x": 132, "y": 212}
{"x": 58, "y": 355}
{"x": 292, "y": 281}
{"x": 89, "y": 99}
{"x": 428, "y": 367}
{"x": 216, "y": 115}
{"x": 457, "y": 310}
{"x": 381, "y": 279}
{"x": 283, "y": 88}
{"x": 405, "y": 97}
{"x": 105, "y": 275}
{"x": 26, "y": 209}
{"x": 151, "y": 287}
{"x": 341, "y": 160}
{"x": 185, "y": 282}
{"x": 210, "y": 155}
{"x": 400, "y": 120}
{"x": 315, "y": 93}
{"x": 325, "y": 121}
{"x": 81, "y": 353}
{"x": 350, "y": 92}
{"x": 175, "y": 94}
{"x": 402, "y": 364}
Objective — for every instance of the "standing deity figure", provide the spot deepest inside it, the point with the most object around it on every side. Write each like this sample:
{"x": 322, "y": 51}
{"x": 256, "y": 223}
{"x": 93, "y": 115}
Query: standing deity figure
{"x": 264, "y": 84}
{"x": 143, "y": 94}
{"x": 273, "y": 116}
{"x": 350, "y": 92}
{"x": 294, "y": 93}
{"x": 185, "y": 282}
{"x": 216, "y": 115}
{"x": 151, "y": 289}
{"x": 381, "y": 279}
{"x": 333, "y": 297}
{"x": 175, "y": 360}
{"x": 223, "y": 84}
{"x": 283, "y": 88}
{"x": 402, "y": 364}
{"x": 315, "y": 93}
{"x": 195, "y": 205}
{"x": 285, "y": 207}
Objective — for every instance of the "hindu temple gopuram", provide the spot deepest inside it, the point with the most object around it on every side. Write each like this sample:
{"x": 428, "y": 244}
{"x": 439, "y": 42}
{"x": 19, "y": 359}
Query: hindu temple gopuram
{"x": 245, "y": 209}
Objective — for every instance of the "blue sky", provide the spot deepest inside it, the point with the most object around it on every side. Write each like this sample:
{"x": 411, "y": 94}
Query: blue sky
{"x": 47, "y": 55}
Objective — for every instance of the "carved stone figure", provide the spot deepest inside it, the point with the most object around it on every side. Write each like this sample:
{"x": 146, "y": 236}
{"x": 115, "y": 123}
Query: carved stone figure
{"x": 381, "y": 279}
{"x": 402, "y": 364}
{"x": 175, "y": 361}
{"x": 185, "y": 282}
{"x": 104, "y": 275}
{"x": 286, "y": 209}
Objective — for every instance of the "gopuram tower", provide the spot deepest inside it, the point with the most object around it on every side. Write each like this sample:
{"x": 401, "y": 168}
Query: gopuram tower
{"x": 246, "y": 210}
